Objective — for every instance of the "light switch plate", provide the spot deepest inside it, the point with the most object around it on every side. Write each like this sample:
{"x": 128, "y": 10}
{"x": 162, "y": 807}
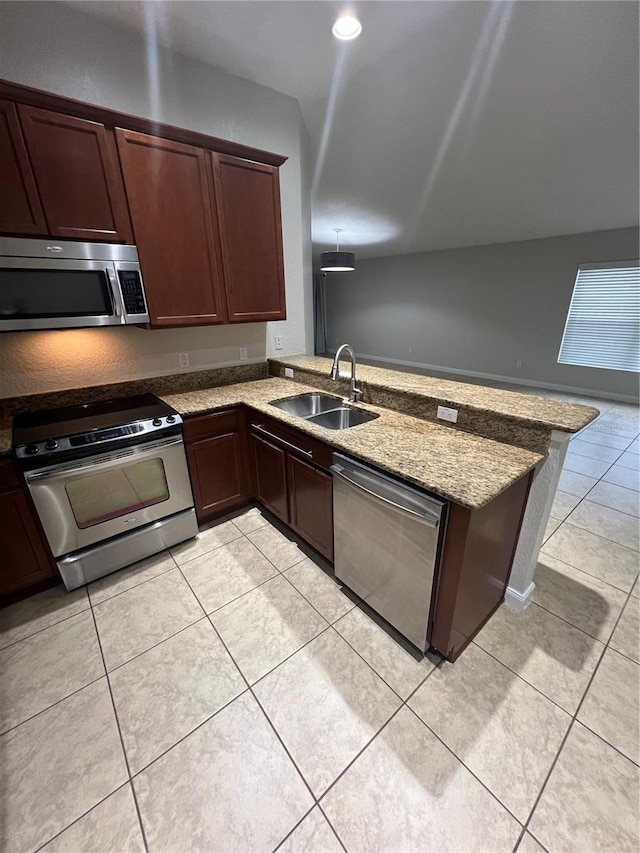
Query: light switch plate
{"x": 288, "y": 372}
{"x": 446, "y": 414}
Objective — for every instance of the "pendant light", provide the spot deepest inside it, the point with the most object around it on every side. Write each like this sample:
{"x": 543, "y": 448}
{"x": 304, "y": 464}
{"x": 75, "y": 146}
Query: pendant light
{"x": 337, "y": 261}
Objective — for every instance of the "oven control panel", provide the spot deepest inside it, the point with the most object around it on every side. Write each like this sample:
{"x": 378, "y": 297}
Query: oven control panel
{"x": 93, "y": 438}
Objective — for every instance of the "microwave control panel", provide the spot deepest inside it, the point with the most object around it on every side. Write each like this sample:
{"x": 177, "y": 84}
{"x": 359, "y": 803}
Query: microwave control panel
{"x": 132, "y": 292}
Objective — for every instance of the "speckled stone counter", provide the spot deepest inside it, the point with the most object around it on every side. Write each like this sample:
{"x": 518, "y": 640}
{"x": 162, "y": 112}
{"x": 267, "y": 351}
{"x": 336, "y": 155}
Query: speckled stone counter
{"x": 5, "y": 441}
{"x": 467, "y": 469}
{"x": 521, "y": 420}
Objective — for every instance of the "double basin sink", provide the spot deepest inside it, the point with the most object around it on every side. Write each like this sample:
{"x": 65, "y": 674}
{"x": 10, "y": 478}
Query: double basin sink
{"x": 324, "y": 410}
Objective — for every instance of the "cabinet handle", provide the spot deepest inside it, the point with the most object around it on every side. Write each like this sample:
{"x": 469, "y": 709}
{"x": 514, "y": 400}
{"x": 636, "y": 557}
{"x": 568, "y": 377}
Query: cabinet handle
{"x": 273, "y": 437}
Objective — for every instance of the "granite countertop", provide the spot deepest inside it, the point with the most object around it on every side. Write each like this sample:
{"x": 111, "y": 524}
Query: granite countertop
{"x": 5, "y": 441}
{"x": 524, "y": 408}
{"x": 467, "y": 469}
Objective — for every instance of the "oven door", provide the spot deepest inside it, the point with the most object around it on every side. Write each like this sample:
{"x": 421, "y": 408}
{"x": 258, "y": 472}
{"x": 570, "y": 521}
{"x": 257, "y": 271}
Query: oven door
{"x": 57, "y": 293}
{"x": 80, "y": 504}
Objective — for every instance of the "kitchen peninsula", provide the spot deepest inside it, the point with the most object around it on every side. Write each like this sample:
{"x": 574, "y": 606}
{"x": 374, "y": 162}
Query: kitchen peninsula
{"x": 241, "y": 447}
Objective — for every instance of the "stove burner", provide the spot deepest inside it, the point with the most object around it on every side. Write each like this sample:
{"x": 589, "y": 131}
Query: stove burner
{"x": 75, "y": 431}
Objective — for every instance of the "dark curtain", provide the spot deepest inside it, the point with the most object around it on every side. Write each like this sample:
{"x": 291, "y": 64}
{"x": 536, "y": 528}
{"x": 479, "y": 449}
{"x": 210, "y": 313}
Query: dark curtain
{"x": 320, "y": 312}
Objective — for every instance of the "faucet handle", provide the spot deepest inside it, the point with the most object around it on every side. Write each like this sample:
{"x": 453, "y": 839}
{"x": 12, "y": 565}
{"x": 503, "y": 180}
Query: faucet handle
{"x": 356, "y": 392}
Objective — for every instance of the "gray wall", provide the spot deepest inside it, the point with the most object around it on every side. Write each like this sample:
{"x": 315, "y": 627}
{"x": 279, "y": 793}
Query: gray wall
{"x": 479, "y": 309}
{"x": 54, "y": 47}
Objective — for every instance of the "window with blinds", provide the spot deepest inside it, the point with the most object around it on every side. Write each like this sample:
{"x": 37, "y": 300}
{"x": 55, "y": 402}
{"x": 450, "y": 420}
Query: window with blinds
{"x": 603, "y": 323}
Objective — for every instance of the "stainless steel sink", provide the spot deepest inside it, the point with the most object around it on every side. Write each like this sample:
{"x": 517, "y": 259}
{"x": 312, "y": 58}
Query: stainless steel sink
{"x": 305, "y": 405}
{"x": 342, "y": 418}
{"x": 324, "y": 410}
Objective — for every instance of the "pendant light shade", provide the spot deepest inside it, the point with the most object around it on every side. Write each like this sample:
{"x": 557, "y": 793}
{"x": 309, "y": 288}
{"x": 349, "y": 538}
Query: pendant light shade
{"x": 337, "y": 261}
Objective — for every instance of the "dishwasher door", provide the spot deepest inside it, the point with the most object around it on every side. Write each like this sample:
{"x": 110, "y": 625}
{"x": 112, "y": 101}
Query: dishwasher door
{"x": 386, "y": 538}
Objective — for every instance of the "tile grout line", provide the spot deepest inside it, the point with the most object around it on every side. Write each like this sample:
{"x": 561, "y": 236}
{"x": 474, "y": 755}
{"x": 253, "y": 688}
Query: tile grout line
{"x": 255, "y": 698}
{"x": 84, "y": 814}
{"x": 331, "y": 625}
{"x": 122, "y": 746}
{"x": 272, "y": 725}
{"x": 588, "y": 574}
{"x": 574, "y": 719}
{"x": 135, "y": 585}
{"x": 52, "y": 705}
{"x": 571, "y": 624}
{"x": 155, "y": 645}
{"x": 42, "y": 630}
{"x": 605, "y": 644}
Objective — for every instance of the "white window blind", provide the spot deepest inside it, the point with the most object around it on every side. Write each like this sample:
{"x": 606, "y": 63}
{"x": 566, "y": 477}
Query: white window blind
{"x": 603, "y": 323}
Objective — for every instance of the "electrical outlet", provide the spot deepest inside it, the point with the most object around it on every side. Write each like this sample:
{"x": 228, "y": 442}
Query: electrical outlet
{"x": 278, "y": 341}
{"x": 183, "y": 358}
{"x": 518, "y": 363}
{"x": 288, "y": 372}
{"x": 244, "y": 354}
{"x": 447, "y": 414}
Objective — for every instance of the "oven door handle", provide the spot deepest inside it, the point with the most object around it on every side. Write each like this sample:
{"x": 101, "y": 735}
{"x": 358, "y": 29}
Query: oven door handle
{"x": 64, "y": 471}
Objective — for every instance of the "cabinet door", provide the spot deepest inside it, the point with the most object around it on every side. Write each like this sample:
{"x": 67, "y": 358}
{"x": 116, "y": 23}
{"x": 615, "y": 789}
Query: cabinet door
{"x": 270, "y": 476}
{"x": 217, "y": 475}
{"x": 78, "y": 176}
{"x": 311, "y": 505}
{"x": 20, "y": 208}
{"x": 24, "y": 559}
{"x": 248, "y": 205}
{"x": 170, "y": 195}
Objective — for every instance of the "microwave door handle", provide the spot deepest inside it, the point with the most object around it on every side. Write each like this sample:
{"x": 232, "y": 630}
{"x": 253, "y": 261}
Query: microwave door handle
{"x": 115, "y": 291}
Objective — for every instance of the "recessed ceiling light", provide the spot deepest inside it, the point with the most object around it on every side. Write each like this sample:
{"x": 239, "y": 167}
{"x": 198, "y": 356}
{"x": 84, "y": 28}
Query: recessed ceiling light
{"x": 346, "y": 27}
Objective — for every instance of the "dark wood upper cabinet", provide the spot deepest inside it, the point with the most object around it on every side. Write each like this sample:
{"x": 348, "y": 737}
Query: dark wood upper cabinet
{"x": 78, "y": 177}
{"x": 311, "y": 504}
{"x": 169, "y": 189}
{"x": 204, "y": 212}
{"x": 20, "y": 208}
{"x": 248, "y": 207}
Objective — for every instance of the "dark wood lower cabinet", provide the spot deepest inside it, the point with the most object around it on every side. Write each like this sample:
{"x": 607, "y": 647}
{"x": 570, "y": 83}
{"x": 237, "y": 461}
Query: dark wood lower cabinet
{"x": 270, "y": 468}
{"x": 25, "y": 558}
{"x": 477, "y": 556}
{"x": 215, "y": 465}
{"x": 311, "y": 504}
{"x": 217, "y": 457}
{"x": 236, "y": 455}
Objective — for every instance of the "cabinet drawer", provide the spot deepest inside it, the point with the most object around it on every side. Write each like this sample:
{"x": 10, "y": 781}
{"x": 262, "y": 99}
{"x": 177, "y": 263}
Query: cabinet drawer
{"x": 292, "y": 440}
{"x": 209, "y": 426}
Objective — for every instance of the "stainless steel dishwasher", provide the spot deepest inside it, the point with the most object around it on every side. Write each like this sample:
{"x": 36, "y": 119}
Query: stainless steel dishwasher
{"x": 386, "y": 538}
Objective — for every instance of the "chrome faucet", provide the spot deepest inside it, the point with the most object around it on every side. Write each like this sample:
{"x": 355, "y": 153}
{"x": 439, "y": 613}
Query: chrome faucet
{"x": 335, "y": 370}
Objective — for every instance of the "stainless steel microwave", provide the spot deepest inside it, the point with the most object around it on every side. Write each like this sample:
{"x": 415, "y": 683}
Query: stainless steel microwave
{"x": 46, "y": 284}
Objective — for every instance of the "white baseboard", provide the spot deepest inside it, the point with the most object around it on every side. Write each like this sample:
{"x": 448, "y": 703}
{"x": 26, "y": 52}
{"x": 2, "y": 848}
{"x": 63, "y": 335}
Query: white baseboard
{"x": 518, "y": 600}
{"x": 512, "y": 380}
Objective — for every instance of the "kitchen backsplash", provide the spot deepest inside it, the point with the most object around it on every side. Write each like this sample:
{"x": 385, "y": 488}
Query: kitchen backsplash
{"x": 41, "y": 362}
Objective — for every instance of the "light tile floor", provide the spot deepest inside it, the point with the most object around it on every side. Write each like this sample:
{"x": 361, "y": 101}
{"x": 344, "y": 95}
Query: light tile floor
{"x": 229, "y": 696}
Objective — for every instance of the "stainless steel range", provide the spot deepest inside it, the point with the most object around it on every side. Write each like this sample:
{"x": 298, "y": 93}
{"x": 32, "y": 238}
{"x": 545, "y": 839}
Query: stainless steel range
{"x": 109, "y": 481}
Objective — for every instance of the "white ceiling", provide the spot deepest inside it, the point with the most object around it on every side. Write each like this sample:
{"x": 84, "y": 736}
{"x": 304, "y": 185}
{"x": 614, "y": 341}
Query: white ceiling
{"x": 446, "y": 123}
